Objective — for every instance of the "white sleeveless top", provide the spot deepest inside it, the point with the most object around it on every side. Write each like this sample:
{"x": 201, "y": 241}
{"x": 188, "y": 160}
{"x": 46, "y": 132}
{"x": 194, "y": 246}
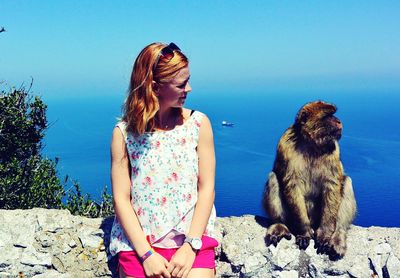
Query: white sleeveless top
{"x": 164, "y": 175}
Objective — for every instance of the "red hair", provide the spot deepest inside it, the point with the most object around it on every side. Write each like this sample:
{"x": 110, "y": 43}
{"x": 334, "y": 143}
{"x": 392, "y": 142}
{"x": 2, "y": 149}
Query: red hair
{"x": 141, "y": 105}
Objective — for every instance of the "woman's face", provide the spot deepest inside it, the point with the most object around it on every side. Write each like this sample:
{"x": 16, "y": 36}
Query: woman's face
{"x": 173, "y": 94}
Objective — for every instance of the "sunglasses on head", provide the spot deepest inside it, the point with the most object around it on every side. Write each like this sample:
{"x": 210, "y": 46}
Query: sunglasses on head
{"x": 166, "y": 52}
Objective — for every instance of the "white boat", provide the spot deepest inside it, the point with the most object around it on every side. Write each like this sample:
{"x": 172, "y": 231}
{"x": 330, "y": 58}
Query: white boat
{"x": 226, "y": 123}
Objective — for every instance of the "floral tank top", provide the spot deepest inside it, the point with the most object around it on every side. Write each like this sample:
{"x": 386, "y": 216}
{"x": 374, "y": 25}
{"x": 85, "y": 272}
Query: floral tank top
{"x": 164, "y": 175}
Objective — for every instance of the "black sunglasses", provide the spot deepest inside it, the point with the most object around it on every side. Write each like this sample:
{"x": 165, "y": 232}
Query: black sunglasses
{"x": 166, "y": 52}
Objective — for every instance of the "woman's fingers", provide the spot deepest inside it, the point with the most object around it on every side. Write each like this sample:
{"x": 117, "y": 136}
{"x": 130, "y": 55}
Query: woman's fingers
{"x": 186, "y": 273}
{"x": 166, "y": 274}
{"x": 181, "y": 272}
{"x": 176, "y": 271}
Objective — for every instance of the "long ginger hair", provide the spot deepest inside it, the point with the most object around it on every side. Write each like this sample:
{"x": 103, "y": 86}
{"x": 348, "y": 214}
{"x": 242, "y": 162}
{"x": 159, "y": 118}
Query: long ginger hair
{"x": 141, "y": 105}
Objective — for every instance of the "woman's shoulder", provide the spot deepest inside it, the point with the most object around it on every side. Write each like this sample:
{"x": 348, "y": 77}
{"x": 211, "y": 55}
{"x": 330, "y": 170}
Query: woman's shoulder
{"x": 192, "y": 114}
{"x": 197, "y": 119}
{"x": 121, "y": 123}
{"x": 122, "y": 127}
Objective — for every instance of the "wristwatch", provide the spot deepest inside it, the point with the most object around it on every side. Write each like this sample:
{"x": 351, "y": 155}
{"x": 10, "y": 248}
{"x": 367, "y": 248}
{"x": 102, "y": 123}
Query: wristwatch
{"x": 195, "y": 242}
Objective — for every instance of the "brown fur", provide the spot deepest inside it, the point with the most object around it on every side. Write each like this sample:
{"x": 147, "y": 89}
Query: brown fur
{"x": 308, "y": 193}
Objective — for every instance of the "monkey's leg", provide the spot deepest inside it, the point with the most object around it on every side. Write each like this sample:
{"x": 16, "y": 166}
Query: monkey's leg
{"x": 273, "y": 205}
{"x": 346, "y": 213}
{"x": 295, "y": 200}
{"x": 332, "y": 197}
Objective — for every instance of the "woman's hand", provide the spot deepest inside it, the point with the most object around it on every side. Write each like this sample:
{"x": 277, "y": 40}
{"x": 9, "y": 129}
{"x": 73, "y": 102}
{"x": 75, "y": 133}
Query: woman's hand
{"x": 156, "y": 266}
{"x": 182, "y": 261}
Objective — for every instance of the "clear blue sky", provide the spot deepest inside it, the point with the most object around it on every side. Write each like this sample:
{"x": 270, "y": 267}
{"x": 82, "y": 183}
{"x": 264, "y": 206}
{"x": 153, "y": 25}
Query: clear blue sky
{"x": 88, "y": 47}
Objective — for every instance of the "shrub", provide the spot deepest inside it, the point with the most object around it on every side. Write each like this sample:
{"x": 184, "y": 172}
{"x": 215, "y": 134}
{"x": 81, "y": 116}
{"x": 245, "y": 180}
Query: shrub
{"x": 27, "y": 179}
{"x": 79, "y": 204}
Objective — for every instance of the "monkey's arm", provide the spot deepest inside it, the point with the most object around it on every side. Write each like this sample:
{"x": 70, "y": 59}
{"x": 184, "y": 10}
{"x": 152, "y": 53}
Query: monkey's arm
{"x": 294, "y": 197}
{"x": 289, "y": 170}
{"x": 330, "y": 206}
{"x": 331, "y": 198}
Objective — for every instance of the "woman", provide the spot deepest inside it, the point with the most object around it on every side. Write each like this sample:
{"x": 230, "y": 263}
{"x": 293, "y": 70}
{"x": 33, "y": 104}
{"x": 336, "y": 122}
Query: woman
{"x": 162, "y": 171}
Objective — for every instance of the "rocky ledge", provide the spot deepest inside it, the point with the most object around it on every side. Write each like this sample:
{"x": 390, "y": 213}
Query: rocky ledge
{"x": 54, "y": 243}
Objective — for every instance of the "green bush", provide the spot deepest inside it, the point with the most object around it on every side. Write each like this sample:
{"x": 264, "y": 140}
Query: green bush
{"x": 79, "y": 204}
{"x": 27, "y": 179}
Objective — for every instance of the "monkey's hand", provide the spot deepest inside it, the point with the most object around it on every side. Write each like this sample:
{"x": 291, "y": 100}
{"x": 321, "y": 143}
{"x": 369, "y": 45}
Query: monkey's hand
{"x": 303, "y": 238}
{"x": 323, "y": 240}
{"x": 275, "y": 233}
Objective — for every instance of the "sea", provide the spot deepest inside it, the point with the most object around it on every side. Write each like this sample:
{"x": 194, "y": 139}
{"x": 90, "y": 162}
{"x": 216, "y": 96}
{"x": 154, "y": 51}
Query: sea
{"x": 80, "y": 133}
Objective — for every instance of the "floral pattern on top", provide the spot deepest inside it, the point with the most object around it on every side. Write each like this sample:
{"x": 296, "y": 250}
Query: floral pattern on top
{"x": 164, "y": 176}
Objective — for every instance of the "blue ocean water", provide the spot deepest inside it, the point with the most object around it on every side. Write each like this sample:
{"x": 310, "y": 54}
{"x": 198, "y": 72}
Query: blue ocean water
{"x": 80, "y": 135}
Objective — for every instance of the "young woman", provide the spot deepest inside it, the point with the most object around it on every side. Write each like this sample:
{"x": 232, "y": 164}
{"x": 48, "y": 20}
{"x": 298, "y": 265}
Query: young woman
{"x": 162, "y": 171}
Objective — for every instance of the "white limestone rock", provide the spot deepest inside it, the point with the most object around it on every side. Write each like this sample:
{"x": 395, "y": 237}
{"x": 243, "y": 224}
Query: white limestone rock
{"x": 8, "y": 256}
{"x": 54, "y": 243}
{"x": 72, "y": 243}
{"x": 254, "y": 263}
{"x": 31, "y": 257}
{"x": 53, "y": 274}
{"x": 393, "y": 266}
{"x": 91, "y": 241}
{"x": 285, "y": 253}
{"x": 288, "y": 274}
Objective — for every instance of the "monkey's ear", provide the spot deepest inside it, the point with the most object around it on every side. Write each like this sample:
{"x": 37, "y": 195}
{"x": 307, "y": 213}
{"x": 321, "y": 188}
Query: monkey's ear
{"x": 302, "y": 116}
{"x": 332, "y": 109}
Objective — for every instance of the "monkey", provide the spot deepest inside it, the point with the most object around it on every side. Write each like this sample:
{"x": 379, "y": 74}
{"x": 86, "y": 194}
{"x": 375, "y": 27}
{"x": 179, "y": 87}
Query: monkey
{"x": 307, "y": 193}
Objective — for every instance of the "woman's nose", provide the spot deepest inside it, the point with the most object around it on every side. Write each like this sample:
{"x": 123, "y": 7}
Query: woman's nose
{"x": 188, "y": 88}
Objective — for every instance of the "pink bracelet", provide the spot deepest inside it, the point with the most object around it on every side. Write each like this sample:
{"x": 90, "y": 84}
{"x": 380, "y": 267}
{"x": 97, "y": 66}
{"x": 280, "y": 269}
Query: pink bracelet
{"x": 146, "y": 255}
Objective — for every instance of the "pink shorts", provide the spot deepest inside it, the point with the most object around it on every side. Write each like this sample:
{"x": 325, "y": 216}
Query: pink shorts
{"x": 205, "y": 258}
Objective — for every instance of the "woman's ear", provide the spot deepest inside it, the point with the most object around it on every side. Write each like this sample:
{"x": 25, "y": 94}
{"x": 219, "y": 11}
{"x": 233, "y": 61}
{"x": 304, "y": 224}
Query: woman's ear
{"x": 155, "y": 87}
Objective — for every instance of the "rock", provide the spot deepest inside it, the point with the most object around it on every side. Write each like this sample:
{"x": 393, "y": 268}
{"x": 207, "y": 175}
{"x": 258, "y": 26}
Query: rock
{"x": 31, "y": 257}
{"x": 360, "y": 270}
{"x": 58, "y": 264}
{"x": 286, "y": 254}
{"x": 288, "y": 274}
{"x": 5, "y": 236}
{"x": 72, "y": 243}
{"x": 8, "y": 256}
{"x": 66, "y": 248}
{"x": 382, "y": 248}
{"x": 224, "y": 270}
{"x": 54, "y": 243}
{"x": 393, "y": 266}
{"x": 91, "y": 241}
{"x": 53, "y": 274}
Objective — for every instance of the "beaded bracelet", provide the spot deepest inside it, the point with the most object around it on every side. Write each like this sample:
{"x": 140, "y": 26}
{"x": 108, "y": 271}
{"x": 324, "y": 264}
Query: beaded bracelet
{"x": 146, "y": 255}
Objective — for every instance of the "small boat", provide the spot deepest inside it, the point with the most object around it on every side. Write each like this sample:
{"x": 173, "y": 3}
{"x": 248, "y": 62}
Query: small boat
{"x": 225, "y": 123}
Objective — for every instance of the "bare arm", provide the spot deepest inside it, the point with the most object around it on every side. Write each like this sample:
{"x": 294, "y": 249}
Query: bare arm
{"x": 120, "y": 179}
{"x": 121, "y": 194}
{"x": 206, "y": 182}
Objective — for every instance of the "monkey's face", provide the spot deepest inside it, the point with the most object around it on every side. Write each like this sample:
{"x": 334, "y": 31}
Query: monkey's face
{"x": 317, "y": 124}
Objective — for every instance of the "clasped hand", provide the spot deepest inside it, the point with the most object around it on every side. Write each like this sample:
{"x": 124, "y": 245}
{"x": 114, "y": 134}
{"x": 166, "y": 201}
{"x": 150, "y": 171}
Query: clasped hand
{"x": 156, "y": 266}
{"x": 182, "y": 261}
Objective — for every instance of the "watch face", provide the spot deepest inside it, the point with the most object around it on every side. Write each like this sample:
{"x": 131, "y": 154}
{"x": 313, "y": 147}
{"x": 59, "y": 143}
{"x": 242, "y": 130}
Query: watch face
{"x": 196, "y": 243}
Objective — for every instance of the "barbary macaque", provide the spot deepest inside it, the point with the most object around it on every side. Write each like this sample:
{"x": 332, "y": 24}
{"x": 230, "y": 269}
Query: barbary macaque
{"x": 307, "y": 192}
